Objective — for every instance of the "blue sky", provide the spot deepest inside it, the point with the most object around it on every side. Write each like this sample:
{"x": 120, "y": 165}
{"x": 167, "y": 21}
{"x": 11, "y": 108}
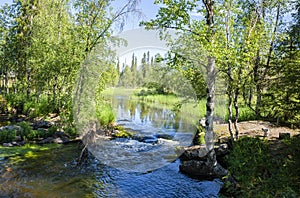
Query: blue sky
{"x": 2, "y": 2}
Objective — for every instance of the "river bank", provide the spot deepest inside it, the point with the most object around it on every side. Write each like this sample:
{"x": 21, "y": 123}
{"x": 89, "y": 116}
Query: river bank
{"x": 253, "y": 163}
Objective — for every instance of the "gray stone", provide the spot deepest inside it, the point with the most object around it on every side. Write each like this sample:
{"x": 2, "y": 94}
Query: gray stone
{"x": 58, "y": 141}
{"x": 197, "y": 152}
{"x": 167, "y": 136}
{"x": 7, "y": 144}
{"x": 47, "y": 140}
{"x": 10, "y": 128}
{"x": 42, "y": 124}
{"x": 198, "y": 162}
{"x": 146, "y": 138}
{"x": 60, "y": 134}
{"x": 203, "y": 169}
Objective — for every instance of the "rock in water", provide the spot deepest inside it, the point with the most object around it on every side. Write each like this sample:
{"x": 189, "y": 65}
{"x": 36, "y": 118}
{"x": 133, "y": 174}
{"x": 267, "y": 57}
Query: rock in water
{"x": 196, "y": 152}
{"x": 202, "y": 164}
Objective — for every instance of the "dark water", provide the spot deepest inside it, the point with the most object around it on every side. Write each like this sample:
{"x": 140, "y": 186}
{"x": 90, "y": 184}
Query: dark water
{"x": 53, "y": 173}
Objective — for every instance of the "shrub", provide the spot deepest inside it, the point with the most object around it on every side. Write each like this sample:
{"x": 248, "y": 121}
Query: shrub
{"x": 3, "y": 104}
{"x": 34, "y": 108}
{"x": 71, "y": 131}
{"x": 52, "y": 130}
{"x": 7, "y": 135}
{"x": 26, "y": 131}
{"x": 105, "y": 115}
{"x": 16, "y": 101}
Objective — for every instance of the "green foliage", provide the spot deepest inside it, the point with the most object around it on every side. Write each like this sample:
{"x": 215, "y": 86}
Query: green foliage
{"x": 43, "y": 43}
{"x": 162, "y": 99}
{"x": 105, "y": 115}
{"x": 199, "y": 138}
{"x": 3, "y": 104}
{"x": 16, "y": 101}
{"x": 71, "y": 131}
{"x": 7, "y": 135}
{"x": 26, "y": 132}
{"x": 52, "y": 130}
{"x": 245, "y": 114}
{"x": 266, "y": 169}
{"x": 37, "y": 108}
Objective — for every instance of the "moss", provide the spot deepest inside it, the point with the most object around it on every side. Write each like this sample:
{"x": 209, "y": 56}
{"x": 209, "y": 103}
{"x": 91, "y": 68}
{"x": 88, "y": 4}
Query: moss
{"x": 122, "y": 132}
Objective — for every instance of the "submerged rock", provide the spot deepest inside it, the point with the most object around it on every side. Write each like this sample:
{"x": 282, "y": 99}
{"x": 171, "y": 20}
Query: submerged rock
{"x": 167, "y": 136}
{"x": 145, "y": 138}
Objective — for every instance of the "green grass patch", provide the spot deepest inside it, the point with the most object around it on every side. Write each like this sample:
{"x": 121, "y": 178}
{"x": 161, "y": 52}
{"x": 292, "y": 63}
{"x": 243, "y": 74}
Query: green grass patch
{"x": 265, "y": 169}
{"x": 169, "y": 100}
{"x": 26, "y": 150}
{"x": 119, "y": 91}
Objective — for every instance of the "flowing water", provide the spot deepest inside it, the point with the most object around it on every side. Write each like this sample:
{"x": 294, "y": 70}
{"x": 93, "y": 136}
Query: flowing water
{"x": 53, "y": 173}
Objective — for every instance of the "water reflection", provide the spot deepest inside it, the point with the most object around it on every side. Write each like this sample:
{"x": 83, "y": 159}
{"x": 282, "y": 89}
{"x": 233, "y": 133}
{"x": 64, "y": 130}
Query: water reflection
{"x": 143, "y": 114}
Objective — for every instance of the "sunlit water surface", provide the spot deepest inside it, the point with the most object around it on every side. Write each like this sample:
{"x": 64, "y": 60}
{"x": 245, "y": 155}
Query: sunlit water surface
{"x": 54, "y": 173}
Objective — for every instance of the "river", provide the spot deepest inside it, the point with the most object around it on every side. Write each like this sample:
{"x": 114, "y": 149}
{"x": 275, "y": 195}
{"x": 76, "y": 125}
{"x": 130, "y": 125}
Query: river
{"x": 54, "y": 173}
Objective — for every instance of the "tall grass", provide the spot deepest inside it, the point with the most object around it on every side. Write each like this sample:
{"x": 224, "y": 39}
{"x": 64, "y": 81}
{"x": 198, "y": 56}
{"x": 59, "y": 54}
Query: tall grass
{"x": 119, "y": 91}
{"x": 169, "y": 100}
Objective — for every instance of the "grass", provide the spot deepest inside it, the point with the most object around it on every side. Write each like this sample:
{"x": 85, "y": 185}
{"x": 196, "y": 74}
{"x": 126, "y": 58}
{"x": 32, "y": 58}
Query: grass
{"x": 26, "y": 150}
{"x": 265, "y": 169}
{"x": 169, "y": 100}
{"x": 120, "y": 91}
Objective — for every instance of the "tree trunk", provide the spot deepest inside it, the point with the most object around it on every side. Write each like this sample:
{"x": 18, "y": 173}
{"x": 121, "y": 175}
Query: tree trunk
{"x": 230, "y": 100}
{"x": 236, "y": 104}
{"x": 210, "y": 103}
{"x": 257, "y": 84}
{"x": 230, "y": 117}
{"x": 237, "y": 113}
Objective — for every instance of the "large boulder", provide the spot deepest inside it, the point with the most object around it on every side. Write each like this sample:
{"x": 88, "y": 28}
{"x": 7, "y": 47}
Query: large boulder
{"x": 203, "y": 169}
{"x": 198, "y": 162}
{"x": 197, "y": 152}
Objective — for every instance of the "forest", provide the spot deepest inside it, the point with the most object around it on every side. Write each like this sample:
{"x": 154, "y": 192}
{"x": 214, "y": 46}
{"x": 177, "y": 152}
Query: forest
{"x": 245, "y": 51}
